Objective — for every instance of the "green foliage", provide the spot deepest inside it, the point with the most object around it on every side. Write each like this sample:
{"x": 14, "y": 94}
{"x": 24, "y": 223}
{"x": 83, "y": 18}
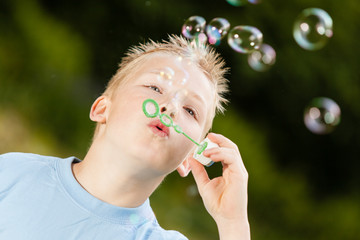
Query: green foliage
{"x": 45, "y": 65}
{"x": 56, "y": 56}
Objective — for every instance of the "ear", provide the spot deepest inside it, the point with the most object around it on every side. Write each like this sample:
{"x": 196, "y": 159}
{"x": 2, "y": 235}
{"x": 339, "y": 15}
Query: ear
{"x": 184, "y": 168}
{"x": 98, "y": 110}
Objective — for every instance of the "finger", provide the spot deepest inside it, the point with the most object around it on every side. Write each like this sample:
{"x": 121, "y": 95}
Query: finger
{"x": 198, "y": 171}
{"x": 227, "y": 156}
{"x": 187, "y": 167}
{"x": 222, "y": 141}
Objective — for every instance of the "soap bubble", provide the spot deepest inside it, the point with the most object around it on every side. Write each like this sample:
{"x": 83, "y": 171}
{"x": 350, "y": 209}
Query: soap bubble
{"x": 322, "y": 115}
{"x": 182, "y": 78}
{"x": 263, "y": 58}
{"x": 192, "y": 26}
{"x": 200, "y": 39}
{"x": 237, "y": 3}
{"x": 134, "y": 218}
{"x": 245, "y": 39}
{"x": 216, "y": 30}
{"x": 192, "y": 191}
{"x": 166, "y": 76}
{"x": 179, "y": 96}
{"x": 214, "y": 37}
{"x": 254, "y": 1}
{"x": 313, "y": 28}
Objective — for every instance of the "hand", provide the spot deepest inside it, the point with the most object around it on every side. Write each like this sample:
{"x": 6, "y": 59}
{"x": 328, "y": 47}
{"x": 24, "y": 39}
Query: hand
{"x": 224, "y": 197}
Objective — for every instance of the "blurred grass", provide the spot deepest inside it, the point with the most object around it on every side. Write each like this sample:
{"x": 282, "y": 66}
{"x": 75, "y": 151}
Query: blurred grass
{"x": 55, "y": 57}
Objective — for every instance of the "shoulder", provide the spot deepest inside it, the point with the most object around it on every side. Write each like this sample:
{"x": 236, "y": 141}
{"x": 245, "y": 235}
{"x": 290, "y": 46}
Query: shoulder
{"x": 25, "y": 160}
{"x": 24, "y": 165}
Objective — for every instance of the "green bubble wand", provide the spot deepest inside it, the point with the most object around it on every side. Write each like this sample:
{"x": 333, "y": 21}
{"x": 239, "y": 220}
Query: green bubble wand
{"x": 168, "y": 121}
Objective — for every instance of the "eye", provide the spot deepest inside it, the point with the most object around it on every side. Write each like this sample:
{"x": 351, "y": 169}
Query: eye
{"x": 191, "y": 112}
{"x": 155, "y": 88}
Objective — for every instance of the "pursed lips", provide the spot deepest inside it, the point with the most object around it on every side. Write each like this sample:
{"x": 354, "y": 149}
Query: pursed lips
{"x": 159, "y": 129}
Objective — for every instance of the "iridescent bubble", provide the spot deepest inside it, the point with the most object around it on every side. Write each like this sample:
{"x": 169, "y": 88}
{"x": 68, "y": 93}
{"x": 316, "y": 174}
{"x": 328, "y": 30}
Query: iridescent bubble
{"x": 179, "y": 96}
{"x": 192, "y": 26}
{"x": 192, "y": 191}
{"x": 322, "y": 115}
{"x": 199, "y": 39}
{"x": 183, "y": 79}
{"x": 216, "y": 30}
{"x": 254, "y": 1}
{"x": 237, "y": 3}
{"x": 134, "y": 218}
{"x": 245, "y": 39}
{"x": 263, "y": 58}
{"x": 313, "y": 28}
{"x": 166, "y": 76}
{"x": 182, "y": 63}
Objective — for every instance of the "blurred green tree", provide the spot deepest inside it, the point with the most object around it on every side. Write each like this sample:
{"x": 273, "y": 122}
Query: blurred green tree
{"x": 56, "y": 57}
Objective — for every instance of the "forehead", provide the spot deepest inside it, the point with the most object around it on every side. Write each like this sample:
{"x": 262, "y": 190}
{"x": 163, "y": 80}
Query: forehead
{"x": 183, "y": 71}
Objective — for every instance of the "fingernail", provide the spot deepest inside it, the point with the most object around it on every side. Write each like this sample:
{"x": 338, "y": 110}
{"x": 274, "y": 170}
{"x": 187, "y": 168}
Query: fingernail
{"x": 206, "y": 152}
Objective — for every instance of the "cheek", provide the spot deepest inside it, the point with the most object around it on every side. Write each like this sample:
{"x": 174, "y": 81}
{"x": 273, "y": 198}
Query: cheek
{"x": 126, "y": 108}
{"x": 124, "y": 119}
{"x": 194, "y": 131}
{"x": 118, "y": 118}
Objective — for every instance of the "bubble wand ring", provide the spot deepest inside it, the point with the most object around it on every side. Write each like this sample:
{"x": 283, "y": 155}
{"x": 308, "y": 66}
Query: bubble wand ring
{"x": 170, "y": 123}
{"x": 162, "y": 116}
{"x": 157, "y": 109}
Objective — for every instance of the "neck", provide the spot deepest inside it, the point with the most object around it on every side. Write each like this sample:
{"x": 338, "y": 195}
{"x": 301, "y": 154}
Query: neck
{"x": 115, "y": 180}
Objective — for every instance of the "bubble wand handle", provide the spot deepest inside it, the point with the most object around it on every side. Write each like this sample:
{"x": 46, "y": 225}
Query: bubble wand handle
{"x": 190, "y": 139}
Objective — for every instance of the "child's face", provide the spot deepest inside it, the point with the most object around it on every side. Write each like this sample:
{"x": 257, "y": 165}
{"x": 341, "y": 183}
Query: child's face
{"x": 129, "y": 131}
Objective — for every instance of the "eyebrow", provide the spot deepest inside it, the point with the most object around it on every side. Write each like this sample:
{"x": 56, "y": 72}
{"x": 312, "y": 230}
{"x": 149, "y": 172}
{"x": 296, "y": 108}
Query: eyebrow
{"x": 200, "y": 99}
{"x": 192, "y": 94}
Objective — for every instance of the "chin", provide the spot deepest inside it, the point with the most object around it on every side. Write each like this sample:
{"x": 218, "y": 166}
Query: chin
{"x": 158, "y": 160}
{"x": 158, "y": 153}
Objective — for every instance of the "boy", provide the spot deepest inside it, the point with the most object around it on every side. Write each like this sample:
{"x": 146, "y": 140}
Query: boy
{"x": 105, "y": 196}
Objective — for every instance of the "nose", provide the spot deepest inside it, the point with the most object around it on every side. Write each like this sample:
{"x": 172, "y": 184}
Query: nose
{"x": 169, "y": 109}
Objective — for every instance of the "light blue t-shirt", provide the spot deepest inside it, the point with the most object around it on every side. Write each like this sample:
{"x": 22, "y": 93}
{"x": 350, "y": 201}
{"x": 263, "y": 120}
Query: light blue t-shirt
{"x": 41, "y": 200}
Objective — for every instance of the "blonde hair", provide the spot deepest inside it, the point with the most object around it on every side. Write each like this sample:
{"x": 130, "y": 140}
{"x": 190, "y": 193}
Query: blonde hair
{"x": 202, "y": 55}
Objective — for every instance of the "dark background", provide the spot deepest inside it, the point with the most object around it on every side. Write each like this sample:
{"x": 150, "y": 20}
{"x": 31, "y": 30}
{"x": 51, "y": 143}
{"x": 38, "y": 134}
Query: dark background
{"x": 56, "y": 57}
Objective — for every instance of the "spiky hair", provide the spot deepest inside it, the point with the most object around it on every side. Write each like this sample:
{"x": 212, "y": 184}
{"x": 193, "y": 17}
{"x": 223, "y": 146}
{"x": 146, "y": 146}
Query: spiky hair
{"x": 203, "y": 55}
